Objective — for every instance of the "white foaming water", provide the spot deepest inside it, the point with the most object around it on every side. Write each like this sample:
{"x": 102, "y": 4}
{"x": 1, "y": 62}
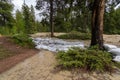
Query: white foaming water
{"x": 117, "y": 58}
{"x": 114, "y": 50}
{"x": 55, "y": 44}
{"x": 109, "y": 46}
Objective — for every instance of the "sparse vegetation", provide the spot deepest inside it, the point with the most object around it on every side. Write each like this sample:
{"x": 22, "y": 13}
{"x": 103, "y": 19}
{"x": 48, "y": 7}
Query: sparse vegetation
{"x": 23, "y": 40}
{"x": 75, "y": 35}
{"x": 86, "y": 59}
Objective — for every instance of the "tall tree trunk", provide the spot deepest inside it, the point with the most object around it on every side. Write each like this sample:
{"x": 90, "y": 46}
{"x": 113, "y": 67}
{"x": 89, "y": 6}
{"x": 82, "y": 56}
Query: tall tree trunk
{"x": 97, "y": 23}
{"x": 51, "y": 18}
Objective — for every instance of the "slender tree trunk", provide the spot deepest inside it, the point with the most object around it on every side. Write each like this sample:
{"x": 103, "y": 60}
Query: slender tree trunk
{"x": 97, "y": 23}
{"x": 51, "y": 18}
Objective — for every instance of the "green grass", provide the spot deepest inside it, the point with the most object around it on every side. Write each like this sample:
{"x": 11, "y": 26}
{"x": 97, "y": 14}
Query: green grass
{"x": 75, "y": 35}
{"x": 4, "y": 53}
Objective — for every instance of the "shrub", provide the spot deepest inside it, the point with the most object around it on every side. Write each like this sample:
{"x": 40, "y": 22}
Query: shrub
{"x": 23, "y": 40}
{"x": 89, "y": 60}
{"x": 5, "y": 30}
{"x": 75, "y": 35}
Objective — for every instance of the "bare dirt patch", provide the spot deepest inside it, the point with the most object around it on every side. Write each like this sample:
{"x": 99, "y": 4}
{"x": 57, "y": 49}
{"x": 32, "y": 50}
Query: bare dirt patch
{"x": 42, "y": 67}
{"x": 112, "y": 39}
{"x": 45, "y": 34}
{"x": 19, "y": 54}
{"x": 108, "y": 39}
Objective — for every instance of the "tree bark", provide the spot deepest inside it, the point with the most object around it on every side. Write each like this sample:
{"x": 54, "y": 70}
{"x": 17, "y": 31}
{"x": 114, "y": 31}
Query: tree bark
{"x": 97, "y": 23}
{"x": 51, "y": 18}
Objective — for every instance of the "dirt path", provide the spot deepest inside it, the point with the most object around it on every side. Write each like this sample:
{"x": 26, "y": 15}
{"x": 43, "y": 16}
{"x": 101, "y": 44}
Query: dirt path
{"x": 41, "y": 67}
{"x": 33, "y": 68}
{"x": 20, "y": 54}
{"x": 38, "y": 67}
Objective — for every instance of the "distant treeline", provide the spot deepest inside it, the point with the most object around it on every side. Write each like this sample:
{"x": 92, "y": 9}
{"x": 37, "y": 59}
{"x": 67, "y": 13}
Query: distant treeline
{"x": 67, "y": 16}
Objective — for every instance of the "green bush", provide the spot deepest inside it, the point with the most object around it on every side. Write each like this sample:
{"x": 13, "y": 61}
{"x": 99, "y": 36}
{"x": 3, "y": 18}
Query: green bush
{"x": 89, "y": 60}
{"x": 23, "y": 40}
{"x": 75, "y": 35}
{"x": 5, "y": 30}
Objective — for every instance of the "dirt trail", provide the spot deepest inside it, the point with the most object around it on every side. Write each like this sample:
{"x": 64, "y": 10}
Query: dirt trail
{"x": 42, "y": 67}
{"x": 38, "y": 67}
{"x": 20, "y": 53}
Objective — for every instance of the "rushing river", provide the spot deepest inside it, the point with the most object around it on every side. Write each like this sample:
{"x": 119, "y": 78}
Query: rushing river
{"x": 53, "y": 44}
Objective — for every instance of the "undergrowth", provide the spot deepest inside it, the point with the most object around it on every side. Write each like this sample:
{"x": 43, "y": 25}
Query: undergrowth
{"x": 23, "y": 40}
{"x": 86, "y": 59}
{"x": 75, "y": 35}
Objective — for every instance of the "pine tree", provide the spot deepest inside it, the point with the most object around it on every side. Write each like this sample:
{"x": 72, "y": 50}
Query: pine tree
{"x": 29, "y": 18}
{"x": 32, "y": 19}
{"x": 19, "y": 22}
{"x": 40, "y": 5}
{"x": 6, "y": 18}
{"x": 97, "y": 23}
{"x": 26, "y": 17}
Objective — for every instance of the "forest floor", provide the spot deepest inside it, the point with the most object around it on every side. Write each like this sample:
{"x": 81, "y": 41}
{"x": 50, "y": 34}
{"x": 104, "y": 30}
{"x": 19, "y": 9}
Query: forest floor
{"x": 41, "y": 65}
